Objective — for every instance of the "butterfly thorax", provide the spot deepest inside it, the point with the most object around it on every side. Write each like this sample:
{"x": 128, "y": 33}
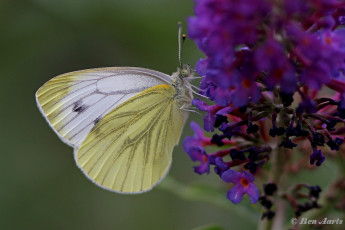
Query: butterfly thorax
{"x": 182, "y": 86}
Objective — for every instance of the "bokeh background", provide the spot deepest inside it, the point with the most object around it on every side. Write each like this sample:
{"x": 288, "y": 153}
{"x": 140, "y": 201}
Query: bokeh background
{"x": 41, "y": 187}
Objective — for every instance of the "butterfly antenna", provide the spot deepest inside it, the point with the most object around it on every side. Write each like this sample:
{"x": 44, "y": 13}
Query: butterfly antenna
{"x": 180, "y": 43}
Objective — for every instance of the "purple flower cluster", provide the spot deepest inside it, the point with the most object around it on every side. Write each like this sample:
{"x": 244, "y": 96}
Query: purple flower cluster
{"x": 266, "y": 63}
{"x": 195, "y": 147}
{"x": 218, "y": 28}
{"x": 288, "y": 44}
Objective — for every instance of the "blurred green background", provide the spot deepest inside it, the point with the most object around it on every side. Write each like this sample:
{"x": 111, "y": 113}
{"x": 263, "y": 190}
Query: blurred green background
{"x": 41, "y": 187}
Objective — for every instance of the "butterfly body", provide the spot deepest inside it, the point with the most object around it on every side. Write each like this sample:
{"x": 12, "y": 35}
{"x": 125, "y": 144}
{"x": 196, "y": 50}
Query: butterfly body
{"x": 122, "y": 122}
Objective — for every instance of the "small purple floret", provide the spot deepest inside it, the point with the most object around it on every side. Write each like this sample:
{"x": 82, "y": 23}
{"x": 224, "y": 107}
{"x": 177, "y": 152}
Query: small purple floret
{"x": 193, "y": 146}
{"x": 317, "y": 157}
{"x": 243, "y": 184}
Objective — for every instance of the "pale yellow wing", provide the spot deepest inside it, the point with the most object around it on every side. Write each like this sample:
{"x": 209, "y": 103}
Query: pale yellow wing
{"x": 130, "y": 149}
{"x": 73, "y": 103}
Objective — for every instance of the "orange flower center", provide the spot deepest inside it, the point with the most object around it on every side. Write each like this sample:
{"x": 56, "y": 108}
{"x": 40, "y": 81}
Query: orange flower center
{"x": 328, "y": 40}
{"x": 270, "y": 50}
{"x": 244, "y": 182}
{"x": 278, "y": 73}
{"x": 246, "y": 83}
{"x": 305, "y": 41}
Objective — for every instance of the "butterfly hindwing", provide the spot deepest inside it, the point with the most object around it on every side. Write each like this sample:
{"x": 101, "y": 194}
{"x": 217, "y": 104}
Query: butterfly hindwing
{"x": 130, "y": 149}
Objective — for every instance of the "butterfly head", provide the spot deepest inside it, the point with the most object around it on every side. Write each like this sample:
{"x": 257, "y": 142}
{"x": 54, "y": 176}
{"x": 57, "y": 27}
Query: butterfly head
{"x": 183, "y": 75}
{"x": 185, "y": 71}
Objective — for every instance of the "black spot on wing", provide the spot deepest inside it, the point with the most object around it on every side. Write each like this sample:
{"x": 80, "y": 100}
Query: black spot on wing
{"x": 96, "y": 120}
{"x": 79, "y": 107}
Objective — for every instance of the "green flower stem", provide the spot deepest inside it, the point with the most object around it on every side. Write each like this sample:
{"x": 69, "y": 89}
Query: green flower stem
{"x": 277, "y": 174}
{"x": 210, "y": 195}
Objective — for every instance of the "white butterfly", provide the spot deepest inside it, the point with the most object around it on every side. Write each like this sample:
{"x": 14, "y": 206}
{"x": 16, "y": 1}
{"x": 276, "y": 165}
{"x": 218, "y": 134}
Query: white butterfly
{"x": 123, "y": 122}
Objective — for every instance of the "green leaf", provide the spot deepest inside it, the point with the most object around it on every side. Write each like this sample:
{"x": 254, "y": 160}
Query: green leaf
{"x": 208, "y": 194}
{"x": 209, "y": 227}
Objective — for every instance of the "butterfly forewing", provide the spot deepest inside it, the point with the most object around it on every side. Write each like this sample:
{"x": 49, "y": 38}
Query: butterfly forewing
{"x": 74, "y": 103}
